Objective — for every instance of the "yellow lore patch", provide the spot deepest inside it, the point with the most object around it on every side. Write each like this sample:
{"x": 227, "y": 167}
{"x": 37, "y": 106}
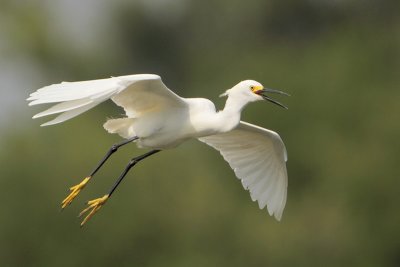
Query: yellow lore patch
{"x": 256, "y": 88}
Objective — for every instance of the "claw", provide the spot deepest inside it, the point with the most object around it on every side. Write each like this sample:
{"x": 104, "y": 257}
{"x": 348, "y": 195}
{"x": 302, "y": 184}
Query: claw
{"x": 74, "y": 192}
{"x": 95, "y": 205}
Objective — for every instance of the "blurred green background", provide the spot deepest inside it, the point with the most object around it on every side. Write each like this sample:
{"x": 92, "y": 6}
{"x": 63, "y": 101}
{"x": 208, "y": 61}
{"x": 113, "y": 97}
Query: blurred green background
{"x": 340, "y": 61}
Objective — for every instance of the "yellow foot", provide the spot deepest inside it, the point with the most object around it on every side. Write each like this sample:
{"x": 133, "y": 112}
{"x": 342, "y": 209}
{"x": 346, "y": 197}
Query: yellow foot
{"x": 74, "y": 192}
{"x": 95, "y": 205}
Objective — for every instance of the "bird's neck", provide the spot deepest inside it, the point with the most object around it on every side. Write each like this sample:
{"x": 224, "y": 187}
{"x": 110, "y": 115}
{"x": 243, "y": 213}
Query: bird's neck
{"x": 229, "y": 117}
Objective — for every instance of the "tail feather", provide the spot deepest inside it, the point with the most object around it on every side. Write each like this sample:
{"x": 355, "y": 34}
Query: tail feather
{"x": 123, "y": 127}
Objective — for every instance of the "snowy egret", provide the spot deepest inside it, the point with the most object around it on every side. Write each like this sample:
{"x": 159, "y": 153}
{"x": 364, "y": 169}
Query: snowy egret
{"x": 158, "y": 119}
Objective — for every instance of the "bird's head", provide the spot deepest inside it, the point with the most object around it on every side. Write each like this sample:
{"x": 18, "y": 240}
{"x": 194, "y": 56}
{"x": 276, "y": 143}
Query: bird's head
{"x": 251, "y": 91}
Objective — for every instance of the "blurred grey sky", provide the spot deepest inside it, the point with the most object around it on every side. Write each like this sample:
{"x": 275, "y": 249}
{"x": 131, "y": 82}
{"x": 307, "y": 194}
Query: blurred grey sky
{"x": 86, "y": 26}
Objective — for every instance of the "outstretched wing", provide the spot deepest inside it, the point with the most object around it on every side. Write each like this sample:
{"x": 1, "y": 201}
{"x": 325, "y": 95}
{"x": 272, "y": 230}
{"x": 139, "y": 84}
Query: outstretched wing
{"x": 135, "y": 93}
{"x": 258, "y": 158}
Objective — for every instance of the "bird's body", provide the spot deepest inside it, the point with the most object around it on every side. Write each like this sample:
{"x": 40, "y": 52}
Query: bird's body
{"x": 158, "y": 119}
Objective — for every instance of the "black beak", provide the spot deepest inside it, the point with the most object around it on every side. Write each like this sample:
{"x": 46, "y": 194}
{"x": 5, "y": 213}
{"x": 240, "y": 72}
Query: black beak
{"x": 264, "y": 92}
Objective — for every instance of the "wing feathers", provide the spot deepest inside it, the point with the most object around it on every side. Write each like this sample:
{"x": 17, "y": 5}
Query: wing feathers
{"x": 258, "y": 158}
{"x": 70, "y": 114}
{"x": 137, "y": 94}
{"x": 63, "y": 107}
{"x": 67, "y": 91}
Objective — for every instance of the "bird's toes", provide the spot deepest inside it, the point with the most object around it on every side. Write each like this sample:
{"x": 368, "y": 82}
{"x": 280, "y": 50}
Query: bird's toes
{"x": 93, "y": 205}
{"x": 74, "y": 192}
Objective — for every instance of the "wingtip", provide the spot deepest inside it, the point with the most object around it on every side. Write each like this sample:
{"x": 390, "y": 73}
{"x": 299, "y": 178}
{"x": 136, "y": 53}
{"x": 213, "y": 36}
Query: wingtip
{"x": 278, "y": 215}
{"x": 34, "y": 101}
{"x": 36, "y": 116}
{"x": 48, "y": 123}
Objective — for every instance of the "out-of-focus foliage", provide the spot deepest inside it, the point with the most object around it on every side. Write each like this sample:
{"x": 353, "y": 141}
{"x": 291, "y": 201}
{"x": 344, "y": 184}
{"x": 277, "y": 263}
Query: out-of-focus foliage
{"x": 340, "y": 61}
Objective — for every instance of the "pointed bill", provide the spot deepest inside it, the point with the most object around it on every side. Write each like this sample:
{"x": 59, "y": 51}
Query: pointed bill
{"x": 263, "y": 93}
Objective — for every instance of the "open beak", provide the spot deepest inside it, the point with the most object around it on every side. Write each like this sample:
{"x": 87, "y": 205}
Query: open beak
{"x": 263, "y": 92}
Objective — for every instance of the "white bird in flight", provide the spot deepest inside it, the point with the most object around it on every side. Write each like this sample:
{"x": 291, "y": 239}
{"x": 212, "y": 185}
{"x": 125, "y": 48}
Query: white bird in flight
{"x": 158, "y": 119}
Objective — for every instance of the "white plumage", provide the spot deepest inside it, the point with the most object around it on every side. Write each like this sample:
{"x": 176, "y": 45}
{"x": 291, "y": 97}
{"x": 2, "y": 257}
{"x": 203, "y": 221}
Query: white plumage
{"x": 257, "y": 156}
{"x": 161, "y": 119}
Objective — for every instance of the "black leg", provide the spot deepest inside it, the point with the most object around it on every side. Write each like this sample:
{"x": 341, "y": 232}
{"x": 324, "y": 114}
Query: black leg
{"x": 129, "y": 166}
{"x": 112, "y": 150}
{"x": 77, "y": 188}
{"x": 95, "y": 204}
